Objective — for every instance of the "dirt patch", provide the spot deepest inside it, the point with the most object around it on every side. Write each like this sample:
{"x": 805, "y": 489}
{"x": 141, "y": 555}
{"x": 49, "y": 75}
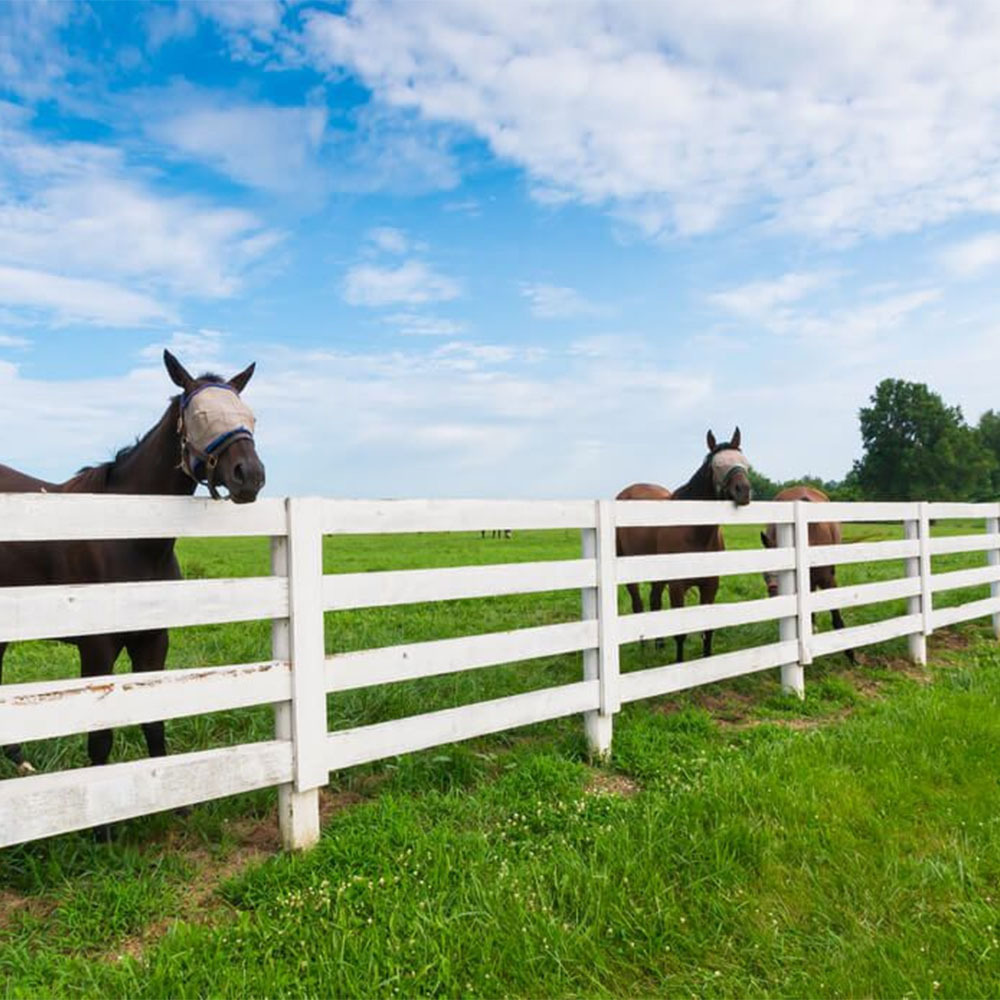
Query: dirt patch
{"x": 728, "y": 706}
{"x": 602, "y": 783}
{"x": 725, "y": 706}
{"x": 257, "y": 840}
{"x": 800, "y": 724}
{"x": 949, "y": 638}
{"x": 331, "y": 803}
{"x": 902, "y": 666}
{"x": 13, "y": 903}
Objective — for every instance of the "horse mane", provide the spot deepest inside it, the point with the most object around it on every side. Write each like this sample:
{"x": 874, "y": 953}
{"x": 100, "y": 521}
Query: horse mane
{"x": 123, "y": 453}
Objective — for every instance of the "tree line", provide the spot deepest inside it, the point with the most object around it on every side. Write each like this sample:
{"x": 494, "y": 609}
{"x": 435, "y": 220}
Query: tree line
{"x": 916, "y": 447}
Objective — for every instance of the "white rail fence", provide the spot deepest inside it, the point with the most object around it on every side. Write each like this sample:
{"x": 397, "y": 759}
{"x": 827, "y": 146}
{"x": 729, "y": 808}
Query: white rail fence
{"x": 299, "y": 675}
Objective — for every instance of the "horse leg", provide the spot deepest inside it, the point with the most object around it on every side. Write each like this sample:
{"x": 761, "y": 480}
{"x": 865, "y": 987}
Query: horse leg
{"x": 633, "y": 593}
{"x": 14, "y": 751}
{"x": 656, "y": 601}
{"x": 148, "y": 651}
{"x": 838, "y": 622}
{"x": 97, "y": 657}
{"x": 707, "y": 590}
{"x": 677, "y": 592}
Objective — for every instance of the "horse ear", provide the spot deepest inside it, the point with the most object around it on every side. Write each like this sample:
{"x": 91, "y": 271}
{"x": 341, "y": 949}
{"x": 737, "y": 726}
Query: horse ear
{"x": 179, "y": 375}
{"x": 239, "y": 382}
{"x": 735, "y": 439}
{"x": 710, "y": 438}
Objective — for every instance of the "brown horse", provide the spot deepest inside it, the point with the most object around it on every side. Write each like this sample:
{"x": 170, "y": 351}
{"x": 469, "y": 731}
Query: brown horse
{"x": 722, "y": 476}
{"x": 206, "y": 435}
{"x": 820, "y": 533}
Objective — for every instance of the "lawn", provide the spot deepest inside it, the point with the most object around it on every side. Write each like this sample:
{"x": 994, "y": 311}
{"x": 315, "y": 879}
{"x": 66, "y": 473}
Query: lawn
{"x": 738, "y": 842}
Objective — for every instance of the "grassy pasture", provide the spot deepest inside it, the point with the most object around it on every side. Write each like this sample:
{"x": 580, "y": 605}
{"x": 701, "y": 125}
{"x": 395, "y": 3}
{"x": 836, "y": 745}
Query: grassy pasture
{"x": 739, "y": 842}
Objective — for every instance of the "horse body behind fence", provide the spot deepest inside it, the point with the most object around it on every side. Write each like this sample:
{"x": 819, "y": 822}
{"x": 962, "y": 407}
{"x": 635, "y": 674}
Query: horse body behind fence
{"x": 820, "y": 533}
{"x": 160, "y": 463}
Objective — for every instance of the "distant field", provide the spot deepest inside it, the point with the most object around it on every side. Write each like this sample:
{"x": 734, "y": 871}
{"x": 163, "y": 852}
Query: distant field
{"x": 740, "y": 842}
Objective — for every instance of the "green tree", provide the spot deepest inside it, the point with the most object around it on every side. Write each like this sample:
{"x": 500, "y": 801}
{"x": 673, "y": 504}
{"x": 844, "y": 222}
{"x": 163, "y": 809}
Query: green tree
{"x": 989, "y": 436}
{"x": 762, "y": 487}
{"x": 919, "y": 448}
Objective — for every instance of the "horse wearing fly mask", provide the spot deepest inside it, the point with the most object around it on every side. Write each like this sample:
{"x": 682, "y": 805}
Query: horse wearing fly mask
{"x": 723, "y": 475}
{"x": 205, "y": 436}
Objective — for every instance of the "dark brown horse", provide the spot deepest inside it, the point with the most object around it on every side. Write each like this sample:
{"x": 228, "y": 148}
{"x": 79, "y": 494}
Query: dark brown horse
{"x": 182, "y": 446}
{"x": 722, "y": 476}
{"x": 820, "y": 533}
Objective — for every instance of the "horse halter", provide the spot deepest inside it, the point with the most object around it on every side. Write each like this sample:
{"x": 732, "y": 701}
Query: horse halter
{"x": 726, "y": 464}
{"x": 211, "y": 419}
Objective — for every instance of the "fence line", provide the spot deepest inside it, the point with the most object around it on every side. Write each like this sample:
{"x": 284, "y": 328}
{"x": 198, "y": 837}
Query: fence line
{"x": 299, "y": 675}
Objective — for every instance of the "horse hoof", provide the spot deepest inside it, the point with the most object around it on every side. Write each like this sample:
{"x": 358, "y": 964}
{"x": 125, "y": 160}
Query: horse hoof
{"x": 183, "y": 811}
{"x": 101, "y": 834}
{"x": 25, "y": 768}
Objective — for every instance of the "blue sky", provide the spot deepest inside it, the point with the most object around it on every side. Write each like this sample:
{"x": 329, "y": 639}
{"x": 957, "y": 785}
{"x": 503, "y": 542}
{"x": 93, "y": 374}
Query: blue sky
{"x": 481, "y": 249}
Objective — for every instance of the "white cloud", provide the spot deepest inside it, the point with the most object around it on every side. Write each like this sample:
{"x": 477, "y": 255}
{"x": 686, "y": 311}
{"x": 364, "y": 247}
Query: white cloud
{"x": 468, "y": 419}
{"x": 79, "y": 212}
{"x": 863, "y": 325}
{"x": 6, "y": 340}
{"x": 199, "y": 350}
{"x": 971, "y": 258}
{"x": 260, "y": 145}
{"x": 32, "y": 61}
{"x": 388, "y": 239}
{"x": 420, "y": 325}
{"x": 558, "y": 302}
{"x": 759, "y": 299}
{"x": 411, "y": 283}
{"x": 77, "y": 300}
{"x": 384, "y": 150}
{"x": 781, "y": 306}
{"x": 835, "y": 120}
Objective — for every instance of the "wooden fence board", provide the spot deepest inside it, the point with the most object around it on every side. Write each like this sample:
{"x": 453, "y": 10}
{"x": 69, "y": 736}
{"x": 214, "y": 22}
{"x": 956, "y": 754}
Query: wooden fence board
{"x": 411, "y": 586}
{"x": 31, "y": 517}
{"x": 54, "y": 612}
{"x": 655, "y": 681}
{"x": 48, "y": 804}
{"x": 44, "y": 709}
{"x": 418, "y": 732}
{"x": 389, "y": 664}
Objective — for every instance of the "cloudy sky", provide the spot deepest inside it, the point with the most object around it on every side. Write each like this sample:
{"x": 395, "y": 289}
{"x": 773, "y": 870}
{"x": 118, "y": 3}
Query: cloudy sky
{"x": 485, "y": 249}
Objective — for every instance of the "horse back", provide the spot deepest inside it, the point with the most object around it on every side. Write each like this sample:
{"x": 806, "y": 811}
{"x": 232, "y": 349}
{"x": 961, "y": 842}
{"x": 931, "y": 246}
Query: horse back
{"x": 639, "y": 541}
{"x": 28, "y": 564}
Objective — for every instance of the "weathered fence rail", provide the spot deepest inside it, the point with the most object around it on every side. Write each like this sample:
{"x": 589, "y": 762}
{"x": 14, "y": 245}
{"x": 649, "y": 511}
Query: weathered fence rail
{"x": 298, "y": 677}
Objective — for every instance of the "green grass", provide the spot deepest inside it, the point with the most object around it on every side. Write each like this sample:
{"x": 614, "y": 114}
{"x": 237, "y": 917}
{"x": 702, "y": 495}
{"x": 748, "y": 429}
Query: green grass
{"x": 738, "y": 843}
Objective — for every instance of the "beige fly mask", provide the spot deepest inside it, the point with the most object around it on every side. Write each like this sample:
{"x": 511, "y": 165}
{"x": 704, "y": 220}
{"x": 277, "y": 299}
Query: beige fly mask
{"x": 211, "y": 419}
{"x": 725, "y": 464}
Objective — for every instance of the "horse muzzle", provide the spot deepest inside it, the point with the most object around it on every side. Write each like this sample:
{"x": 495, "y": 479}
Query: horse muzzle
{"x": 244, "y": 481}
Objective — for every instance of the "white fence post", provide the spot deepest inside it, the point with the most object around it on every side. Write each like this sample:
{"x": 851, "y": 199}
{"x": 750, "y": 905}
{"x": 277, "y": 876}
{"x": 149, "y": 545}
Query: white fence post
{"x": 307, "y": 650}
{"x": 298, "y": 812}
{"x": 993, "y": 559}
{"x": 602, "y": 603}
{"x": 926, "y": 594}
{"x": 792, "y": 675}
{"x": 917, "y": 641}
{"x": 803, "y": 588}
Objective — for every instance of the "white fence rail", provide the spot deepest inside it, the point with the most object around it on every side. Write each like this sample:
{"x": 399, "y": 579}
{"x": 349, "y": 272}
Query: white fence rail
{"x": 298, "y": 677}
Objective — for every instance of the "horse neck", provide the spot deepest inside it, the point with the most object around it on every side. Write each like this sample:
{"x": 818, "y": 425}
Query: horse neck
{"x": 152, "y": 466}
{"x": 698, "y": 487}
